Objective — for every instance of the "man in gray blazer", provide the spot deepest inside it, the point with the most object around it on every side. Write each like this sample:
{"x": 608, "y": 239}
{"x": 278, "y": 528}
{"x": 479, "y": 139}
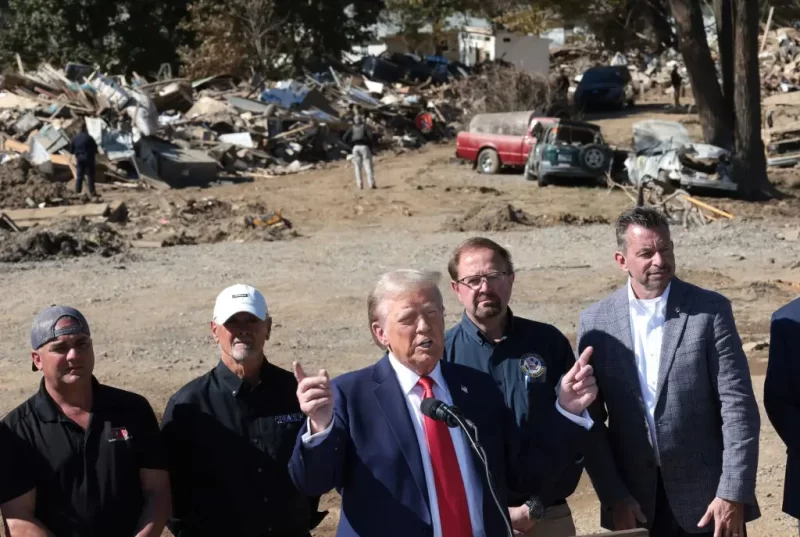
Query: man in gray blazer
{"x": 680, "y": 449}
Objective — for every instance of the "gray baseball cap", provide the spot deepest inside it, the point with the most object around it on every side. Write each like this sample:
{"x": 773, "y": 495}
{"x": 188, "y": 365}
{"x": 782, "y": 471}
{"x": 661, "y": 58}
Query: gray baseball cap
{"x": 44, "y": 326}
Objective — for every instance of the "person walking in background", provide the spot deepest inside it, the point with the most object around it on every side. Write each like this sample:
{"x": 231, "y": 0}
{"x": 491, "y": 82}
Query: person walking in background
{"x": 360, "y": 137}
{"x": 84, "y": 149}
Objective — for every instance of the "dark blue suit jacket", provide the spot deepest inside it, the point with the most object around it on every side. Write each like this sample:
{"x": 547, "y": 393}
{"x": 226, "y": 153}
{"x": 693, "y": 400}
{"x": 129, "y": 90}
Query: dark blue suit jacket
{"x": 782, "y": 395}
{"x": 372, "y": 458}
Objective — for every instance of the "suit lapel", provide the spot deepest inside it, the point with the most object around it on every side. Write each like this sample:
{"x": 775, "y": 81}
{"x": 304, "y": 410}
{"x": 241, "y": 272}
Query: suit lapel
{"x": 622, "y": 314}
{"x": 459, "y": 393}
{"x": 392, "y": 402}
{"x": 676, "y": 316}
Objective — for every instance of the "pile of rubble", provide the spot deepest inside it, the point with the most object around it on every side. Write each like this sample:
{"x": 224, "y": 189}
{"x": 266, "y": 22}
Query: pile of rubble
{"x": 506, "y": 217}
{"x": 179, "y": 132}
{"x": 780, "y": 61}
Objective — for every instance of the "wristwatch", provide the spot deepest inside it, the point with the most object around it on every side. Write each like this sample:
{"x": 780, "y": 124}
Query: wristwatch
{"x": 535, "y": 509}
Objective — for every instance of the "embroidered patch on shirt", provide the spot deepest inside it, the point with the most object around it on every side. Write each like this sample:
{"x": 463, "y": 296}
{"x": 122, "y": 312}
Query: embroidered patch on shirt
{"x": 533, "y": 366}
{"x": 119, "y": 434}
{"x": 290, "y": 418}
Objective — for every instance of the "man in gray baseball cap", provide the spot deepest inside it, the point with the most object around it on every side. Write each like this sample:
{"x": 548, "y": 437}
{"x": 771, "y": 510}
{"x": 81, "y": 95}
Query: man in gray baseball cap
{"x": 44, "y": 328}
{"x": 89, "y": 457}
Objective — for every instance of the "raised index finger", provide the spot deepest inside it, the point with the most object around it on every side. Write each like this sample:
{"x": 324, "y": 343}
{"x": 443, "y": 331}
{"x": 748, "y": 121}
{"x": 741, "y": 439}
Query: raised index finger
{"x": 585, "y": 356}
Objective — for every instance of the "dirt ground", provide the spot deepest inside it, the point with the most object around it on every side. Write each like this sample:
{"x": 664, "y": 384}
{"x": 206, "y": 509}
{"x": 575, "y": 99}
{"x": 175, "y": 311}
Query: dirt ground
{"x": 149, "y": 309}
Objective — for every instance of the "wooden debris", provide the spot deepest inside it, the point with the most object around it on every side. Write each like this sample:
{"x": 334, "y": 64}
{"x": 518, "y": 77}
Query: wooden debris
{"x": 96, "y": 212}
{"x": 677, "y": 204}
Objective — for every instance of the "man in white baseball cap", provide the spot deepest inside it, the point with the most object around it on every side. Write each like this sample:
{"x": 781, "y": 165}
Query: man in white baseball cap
{"x": 230, "y": 434}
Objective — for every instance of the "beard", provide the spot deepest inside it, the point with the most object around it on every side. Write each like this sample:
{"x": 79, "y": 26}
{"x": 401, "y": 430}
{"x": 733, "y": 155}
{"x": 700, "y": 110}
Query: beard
{"x": 241, "y": 351}
{"x": 488, "y": 307}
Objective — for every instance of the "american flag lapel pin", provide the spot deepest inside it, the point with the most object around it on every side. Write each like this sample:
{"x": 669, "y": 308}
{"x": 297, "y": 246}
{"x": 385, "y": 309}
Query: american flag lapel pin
{"x": 464, "y": 389}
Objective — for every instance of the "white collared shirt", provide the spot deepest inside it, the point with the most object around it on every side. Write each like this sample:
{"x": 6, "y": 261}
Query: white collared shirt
{"x": 647, "y": 332}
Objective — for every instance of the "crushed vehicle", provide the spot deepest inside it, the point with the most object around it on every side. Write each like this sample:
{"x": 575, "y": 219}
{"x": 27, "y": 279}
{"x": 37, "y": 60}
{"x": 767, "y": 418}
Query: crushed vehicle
{"x": 663, "y": 152}
{"x": 605, "y": 87}
{"x": 569, "y": 149}
{"x": 500, "y": 139}
{"x": 781, "y": 129}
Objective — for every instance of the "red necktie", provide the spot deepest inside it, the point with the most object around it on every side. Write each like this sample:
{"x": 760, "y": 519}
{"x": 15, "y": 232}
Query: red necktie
{"x": 450, "y": 493}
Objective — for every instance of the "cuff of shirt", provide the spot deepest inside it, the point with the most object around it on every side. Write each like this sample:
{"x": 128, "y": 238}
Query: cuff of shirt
{"x": 584, "y": 420}
{"x": 311, "y": 440}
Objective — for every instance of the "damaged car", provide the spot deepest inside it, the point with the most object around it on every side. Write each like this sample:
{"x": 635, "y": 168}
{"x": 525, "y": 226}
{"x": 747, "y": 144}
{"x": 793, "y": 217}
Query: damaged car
{"x": 664, "y": 152}
{"x": 574, "y": 149}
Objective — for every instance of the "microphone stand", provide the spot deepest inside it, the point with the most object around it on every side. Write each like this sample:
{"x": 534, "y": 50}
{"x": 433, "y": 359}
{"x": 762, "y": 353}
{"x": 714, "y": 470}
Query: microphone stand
{"x": 468, "y": 427}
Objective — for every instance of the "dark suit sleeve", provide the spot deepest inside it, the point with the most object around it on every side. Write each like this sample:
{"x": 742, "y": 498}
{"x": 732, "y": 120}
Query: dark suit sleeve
{"x": 781, "y": 390}
{"x": 598, "y": 456}
{"x": 741, "y": 423}
{"x": 317, "y": 468}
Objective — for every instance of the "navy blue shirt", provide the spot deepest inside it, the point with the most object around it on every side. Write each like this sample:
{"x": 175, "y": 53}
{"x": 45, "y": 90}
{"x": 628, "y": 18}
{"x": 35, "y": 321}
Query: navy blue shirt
{"x": 526, "y": 365}
{"x": 83, "y": 147}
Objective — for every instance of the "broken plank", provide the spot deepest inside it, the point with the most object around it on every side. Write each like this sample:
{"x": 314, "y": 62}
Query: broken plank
{"x": 708, "y": 207}
{"x": 147, "y": 244}
{"x": 4, "y": 218}
{"x": 66, "y": 211}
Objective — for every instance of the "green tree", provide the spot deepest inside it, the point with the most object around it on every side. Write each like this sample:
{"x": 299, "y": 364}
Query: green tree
{"x": 120, "y": 35}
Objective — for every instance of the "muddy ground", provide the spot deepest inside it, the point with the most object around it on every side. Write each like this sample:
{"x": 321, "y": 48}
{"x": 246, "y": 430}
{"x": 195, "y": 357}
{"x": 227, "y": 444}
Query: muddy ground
{"x": 149, "y": 309}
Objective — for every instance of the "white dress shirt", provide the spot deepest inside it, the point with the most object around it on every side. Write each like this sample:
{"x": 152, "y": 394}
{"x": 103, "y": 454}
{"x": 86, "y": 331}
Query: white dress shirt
{"x": 647, "y": 330}
{"x": 409, "y": 384}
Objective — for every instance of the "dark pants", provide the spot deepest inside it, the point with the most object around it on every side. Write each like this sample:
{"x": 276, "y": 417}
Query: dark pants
{"x": 85, "y": 167}
{"x": 664, "y": 524}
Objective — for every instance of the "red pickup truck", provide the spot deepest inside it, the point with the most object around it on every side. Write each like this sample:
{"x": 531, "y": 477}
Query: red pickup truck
{"x": 495, "y": 140}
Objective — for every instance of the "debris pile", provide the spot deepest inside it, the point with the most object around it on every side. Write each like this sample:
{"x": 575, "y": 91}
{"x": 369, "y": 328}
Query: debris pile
{"x": 71, "y": 238}
{"x": 204, "y": 221}
{"x": 180, "y": 132}
{"x": 780, "y": 61}
{"x": 22, "y": 185}
{"x": 506, "y": 217}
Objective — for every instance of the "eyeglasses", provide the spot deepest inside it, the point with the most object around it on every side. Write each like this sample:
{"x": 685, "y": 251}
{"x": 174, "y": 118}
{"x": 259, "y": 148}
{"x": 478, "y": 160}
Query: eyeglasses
{"x": 474, "y": 282}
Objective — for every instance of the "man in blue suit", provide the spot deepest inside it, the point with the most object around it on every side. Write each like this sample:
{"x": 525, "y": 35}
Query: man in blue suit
{"x": 782, "y": 396}
{"x": 401, "y": 473}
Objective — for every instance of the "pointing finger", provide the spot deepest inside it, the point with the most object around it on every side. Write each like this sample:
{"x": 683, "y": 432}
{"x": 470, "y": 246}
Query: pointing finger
{"x": 299, "y": 374}
{"x": 585, "y": 356}
{"x": 324, "y": 373}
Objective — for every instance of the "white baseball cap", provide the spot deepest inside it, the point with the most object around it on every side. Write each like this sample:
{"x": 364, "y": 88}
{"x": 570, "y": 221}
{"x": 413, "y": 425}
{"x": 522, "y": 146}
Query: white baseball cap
{"x": 237, "y": 299}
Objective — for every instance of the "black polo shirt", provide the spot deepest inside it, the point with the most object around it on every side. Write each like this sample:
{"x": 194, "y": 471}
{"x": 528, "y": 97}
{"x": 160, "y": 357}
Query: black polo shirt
{"x": 229, "y": 447}
{"x": 87, "y": 481}
{"x": 527, "y": 365}
{"x": 14, "y": 481}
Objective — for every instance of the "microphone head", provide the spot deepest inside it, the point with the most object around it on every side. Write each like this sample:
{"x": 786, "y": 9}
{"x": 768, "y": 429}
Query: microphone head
{"x": 430, "y": 407}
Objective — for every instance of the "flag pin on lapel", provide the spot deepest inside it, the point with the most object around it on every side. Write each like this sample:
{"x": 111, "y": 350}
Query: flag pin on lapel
{"x": 464, "y": 389}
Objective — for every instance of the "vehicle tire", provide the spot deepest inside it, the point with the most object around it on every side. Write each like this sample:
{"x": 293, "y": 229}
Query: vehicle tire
{"x": 488, "y": 161}
{"x": 594, "y": 158}
{"x": 542, "y": 180}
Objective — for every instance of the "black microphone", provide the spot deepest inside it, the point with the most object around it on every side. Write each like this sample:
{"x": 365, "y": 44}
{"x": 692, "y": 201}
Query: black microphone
{"x": 439, "y": 411}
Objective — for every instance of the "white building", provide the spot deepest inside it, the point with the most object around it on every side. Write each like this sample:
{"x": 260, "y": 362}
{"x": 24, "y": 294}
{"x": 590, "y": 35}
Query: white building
{"x": 528, "y": 53}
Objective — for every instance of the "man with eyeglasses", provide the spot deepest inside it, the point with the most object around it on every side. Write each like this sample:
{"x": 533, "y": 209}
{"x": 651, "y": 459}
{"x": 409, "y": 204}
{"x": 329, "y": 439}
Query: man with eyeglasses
{"x": 526, "y": 359}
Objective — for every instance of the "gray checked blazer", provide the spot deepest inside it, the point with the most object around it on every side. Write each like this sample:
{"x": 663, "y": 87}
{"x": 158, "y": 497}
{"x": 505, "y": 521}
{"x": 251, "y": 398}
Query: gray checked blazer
{"x": 707, "y": 420}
